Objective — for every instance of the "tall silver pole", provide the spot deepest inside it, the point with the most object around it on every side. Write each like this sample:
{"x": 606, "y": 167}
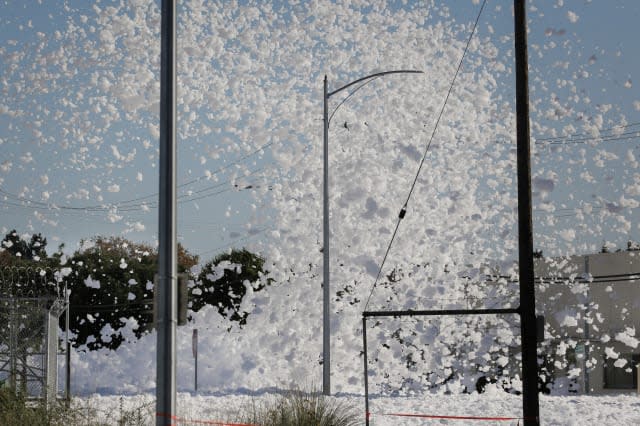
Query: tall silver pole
{"x": 326, "y": 330}
{"x": 326, "y": 336}
{"x": 167, "y": 252}
{"x": 67, "y": 385}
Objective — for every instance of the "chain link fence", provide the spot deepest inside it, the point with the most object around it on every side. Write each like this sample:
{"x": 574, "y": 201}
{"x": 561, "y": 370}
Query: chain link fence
{"x": 31, "y": 302}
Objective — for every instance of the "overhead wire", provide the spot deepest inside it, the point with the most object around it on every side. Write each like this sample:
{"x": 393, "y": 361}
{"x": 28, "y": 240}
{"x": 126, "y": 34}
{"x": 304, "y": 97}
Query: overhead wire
{"x": 126, "y": 203}
{"x": 350, "y": 95}
{"x": 584, "y": 140}
{"x": 576, "y": 137}
{"x": 205, "y": 177}
{"x": 183, "y": 198}
{"x": 631, "y": 277}
{"x": 424, "y": 156}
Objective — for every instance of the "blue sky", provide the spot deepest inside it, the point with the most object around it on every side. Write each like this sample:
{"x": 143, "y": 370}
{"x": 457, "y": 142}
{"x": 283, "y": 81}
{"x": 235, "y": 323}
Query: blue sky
{"x": 78, "y": 119}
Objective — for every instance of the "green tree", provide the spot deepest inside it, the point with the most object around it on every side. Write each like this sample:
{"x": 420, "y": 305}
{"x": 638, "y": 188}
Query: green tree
{"x": 34, "y": 249}
{"x": 224, "y": 280}
{"x": 111, "y": 281}
{"x": 25, "y": 263}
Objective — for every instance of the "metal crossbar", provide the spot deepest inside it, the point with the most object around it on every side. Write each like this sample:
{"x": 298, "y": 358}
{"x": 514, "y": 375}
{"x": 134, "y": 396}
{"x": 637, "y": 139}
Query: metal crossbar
{"x": 441, "y": 312}
{"x": 412, "y": 313}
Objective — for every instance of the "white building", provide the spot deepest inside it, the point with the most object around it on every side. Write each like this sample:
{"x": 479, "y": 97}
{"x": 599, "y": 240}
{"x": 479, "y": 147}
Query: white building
{"x": 591, "y": 306}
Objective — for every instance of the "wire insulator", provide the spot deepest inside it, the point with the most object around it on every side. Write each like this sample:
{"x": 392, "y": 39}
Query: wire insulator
{"x": 403, "y": 212}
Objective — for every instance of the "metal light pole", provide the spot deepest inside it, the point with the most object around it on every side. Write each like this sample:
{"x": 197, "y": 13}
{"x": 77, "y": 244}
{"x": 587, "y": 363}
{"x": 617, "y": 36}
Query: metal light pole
{"x": 326, "y": 294}
{"x": 67, "y": 355}
{"x": 326, "y": 331}
{"x": 167, "y": 252}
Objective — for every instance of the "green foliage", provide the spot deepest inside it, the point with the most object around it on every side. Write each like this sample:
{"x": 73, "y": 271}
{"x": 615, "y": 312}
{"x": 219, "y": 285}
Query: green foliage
{"x": 300, "y": 408}
{"x": 16, "y": 411}
{"x": 223, "y": 283}
{"x": 34, "y": 249}
{"x": 25, "y": 268}
{"x": 111, "y": 281}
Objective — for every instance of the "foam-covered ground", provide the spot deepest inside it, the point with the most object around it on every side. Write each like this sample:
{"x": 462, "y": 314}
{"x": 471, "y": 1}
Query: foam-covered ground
{"x": 495, "y": 408}
{"x": 439, "y": 144}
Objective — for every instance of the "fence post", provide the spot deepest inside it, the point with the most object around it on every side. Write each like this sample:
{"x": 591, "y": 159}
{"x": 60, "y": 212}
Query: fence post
{"x": 366, "y": 370}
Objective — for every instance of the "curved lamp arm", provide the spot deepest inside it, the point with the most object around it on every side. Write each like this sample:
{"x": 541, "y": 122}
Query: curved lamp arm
{"x": 378, "y": 74}
{"x": 368, "y": 79}
{"x": 326, "y": 334}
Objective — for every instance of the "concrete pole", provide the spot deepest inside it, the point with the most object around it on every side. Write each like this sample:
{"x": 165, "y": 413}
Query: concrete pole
{"x": 167, "y": 250}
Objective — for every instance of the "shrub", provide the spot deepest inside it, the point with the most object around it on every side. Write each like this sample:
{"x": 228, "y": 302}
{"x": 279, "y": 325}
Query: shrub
{"x": 15, "y": 410}
{"x": 300, "y": 408}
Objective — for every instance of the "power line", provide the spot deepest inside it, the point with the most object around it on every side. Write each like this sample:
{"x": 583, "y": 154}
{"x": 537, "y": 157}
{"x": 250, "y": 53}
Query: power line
{"x": 205, "y": 177}
{"x": 610, "y": 134}
{"x": 609, "y": 138}
{"x": 424, "y": 156}
{"x": 184, "y": 198}
{"x": 574, "y": 135}
{"x": 126, "y": 203}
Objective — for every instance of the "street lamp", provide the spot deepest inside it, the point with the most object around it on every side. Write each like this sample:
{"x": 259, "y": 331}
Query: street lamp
{"x": 326, "y": 340}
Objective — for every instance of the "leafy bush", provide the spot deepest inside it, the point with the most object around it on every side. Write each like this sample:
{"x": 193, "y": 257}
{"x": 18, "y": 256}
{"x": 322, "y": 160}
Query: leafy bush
{"x": 300, "y": 408}
{"x": 110, "y": 282}
{"x": 223, "y": 283}
{"x": 17, "y": 411}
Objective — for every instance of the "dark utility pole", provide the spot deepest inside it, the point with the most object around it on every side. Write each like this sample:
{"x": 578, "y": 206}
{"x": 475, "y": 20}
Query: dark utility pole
{"x": 531, "y": 409}
{"x": 167, "y": 249}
